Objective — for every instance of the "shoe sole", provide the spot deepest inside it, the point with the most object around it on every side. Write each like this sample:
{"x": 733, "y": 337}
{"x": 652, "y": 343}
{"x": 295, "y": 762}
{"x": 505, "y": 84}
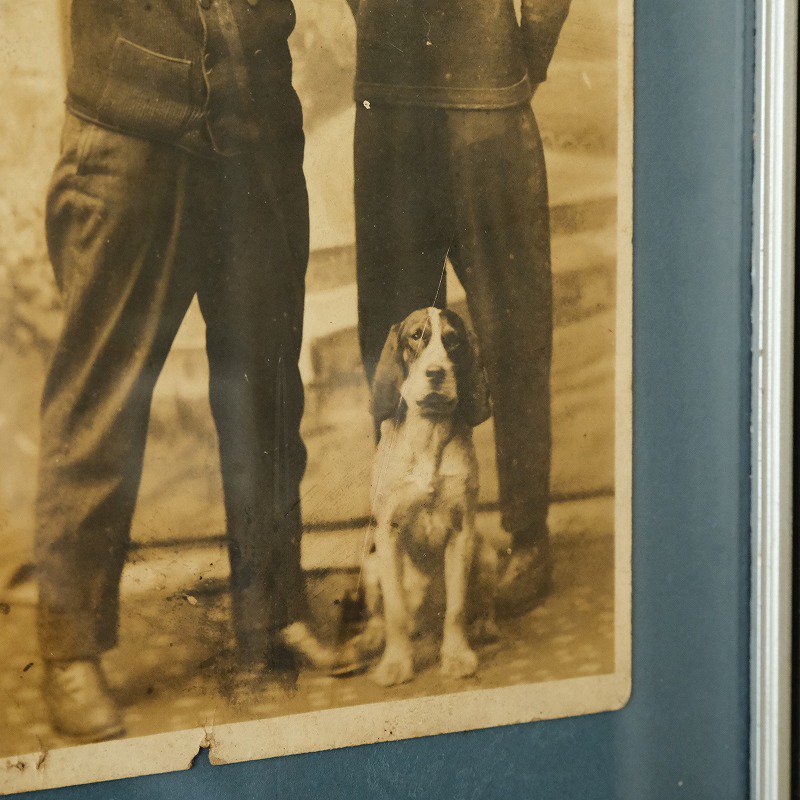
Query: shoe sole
{"x": 346, "y": 670}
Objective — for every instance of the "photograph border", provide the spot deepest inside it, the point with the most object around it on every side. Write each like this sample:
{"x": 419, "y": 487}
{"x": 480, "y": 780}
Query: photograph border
{"x": 446, "y": 713}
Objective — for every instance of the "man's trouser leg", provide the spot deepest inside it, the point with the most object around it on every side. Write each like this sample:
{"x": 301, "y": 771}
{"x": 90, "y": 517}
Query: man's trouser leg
{"x": 135, "y": 229}
{"x": 501, "y": 253}
{"x": 252, "y": 302}
{"x": 114, "y": 231}
{"x": 403, "y": 219}
{"x": 471, "y": 183}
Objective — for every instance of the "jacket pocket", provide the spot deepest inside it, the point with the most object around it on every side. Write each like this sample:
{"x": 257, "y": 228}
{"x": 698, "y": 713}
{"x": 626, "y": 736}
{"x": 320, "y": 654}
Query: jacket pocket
{"x": 146, "y": 93}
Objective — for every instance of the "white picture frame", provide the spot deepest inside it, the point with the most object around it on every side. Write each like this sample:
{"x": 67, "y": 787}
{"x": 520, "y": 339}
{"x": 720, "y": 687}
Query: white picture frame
{"x": 775, "y": 127}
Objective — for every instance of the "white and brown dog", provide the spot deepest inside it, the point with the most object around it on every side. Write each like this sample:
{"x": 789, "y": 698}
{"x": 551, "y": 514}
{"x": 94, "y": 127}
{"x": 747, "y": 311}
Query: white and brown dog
{"x": 429, "y": 392}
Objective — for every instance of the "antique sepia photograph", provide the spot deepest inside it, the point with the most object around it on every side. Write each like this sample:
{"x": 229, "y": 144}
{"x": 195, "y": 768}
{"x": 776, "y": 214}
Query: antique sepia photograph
{"x": 315, "y": 343}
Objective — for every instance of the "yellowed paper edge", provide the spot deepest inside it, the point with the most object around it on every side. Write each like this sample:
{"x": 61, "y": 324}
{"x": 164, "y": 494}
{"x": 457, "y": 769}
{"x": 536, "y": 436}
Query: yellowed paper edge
{"x": 404, "y": 719}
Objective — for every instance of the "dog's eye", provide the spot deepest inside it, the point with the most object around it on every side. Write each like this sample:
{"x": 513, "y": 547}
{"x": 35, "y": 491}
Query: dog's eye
{"x": 416, "y": 335}
{"x": 451, "y": 342}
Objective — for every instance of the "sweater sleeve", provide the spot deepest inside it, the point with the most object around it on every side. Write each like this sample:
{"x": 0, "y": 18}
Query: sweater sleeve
{"x": 541, "y": 25}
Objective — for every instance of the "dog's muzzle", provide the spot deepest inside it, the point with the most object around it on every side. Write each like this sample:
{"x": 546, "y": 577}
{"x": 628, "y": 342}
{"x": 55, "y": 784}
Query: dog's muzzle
{"x": 437, "y": 404}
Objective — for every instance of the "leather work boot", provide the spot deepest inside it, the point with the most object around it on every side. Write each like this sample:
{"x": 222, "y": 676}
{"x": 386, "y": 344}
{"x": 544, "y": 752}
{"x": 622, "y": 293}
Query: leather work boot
{"x": 525, "y": 578}
{"x": 269, "y": 680}
{"x": 79, "y": 701}
{"x": 300, "y": 640}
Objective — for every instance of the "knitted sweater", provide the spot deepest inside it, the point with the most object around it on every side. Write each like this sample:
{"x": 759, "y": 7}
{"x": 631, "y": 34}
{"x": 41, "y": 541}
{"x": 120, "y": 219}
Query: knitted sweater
{"x": 454, "y": 53}
{"x": 203, "y": 74}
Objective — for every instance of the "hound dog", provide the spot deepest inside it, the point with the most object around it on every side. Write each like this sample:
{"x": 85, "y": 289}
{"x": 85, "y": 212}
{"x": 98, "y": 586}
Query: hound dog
{"x": 428, "y": 393}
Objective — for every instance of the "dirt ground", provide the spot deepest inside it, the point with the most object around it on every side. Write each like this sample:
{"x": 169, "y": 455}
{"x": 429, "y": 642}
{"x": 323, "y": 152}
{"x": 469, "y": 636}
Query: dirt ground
{"x": 170, "y": 671}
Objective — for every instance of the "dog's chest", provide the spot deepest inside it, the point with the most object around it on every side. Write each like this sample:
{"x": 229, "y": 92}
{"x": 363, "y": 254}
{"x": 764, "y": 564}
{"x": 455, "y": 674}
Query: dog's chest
{"x": 432, "y": 528}
{"x": 425, "y": 481}
{"x": 440, "y": 488}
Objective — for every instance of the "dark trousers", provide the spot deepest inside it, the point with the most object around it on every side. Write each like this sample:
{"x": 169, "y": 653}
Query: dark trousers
{"x": 135, "y": 230}
{"x": 471, "y": 185}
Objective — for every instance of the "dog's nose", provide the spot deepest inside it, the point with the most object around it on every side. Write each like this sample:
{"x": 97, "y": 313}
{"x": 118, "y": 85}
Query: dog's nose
{"x": 435, "y": 374}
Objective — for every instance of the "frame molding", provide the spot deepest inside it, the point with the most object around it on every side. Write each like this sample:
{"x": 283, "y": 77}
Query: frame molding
{"x": 773, "y": 334}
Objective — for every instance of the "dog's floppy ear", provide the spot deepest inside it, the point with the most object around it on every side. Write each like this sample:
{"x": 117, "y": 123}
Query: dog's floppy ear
{"x": 474, "y": 402}
{"x": 388, "y": 379}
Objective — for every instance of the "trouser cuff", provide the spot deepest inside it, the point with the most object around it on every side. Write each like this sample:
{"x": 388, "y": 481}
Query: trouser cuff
{"x": 72, "y": 636}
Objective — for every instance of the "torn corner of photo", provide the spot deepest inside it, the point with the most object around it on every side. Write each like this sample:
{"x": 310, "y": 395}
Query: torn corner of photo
{"x": 331, "y": 442}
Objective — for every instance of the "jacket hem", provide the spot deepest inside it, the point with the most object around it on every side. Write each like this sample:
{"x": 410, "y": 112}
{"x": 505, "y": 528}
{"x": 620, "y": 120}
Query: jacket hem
{"x": 206, "y": 152}
{"x": 477, "y": 98}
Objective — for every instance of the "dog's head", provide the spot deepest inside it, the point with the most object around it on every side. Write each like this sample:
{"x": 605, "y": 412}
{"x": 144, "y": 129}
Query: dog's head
{"x": 430, "y": 363}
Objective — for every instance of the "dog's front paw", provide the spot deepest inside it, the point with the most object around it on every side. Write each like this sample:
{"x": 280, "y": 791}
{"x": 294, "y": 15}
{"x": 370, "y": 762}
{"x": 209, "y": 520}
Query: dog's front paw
{"x": 396, "y": 666}
{"x": 484, "y": 630}
{"x": 458, "y": 660}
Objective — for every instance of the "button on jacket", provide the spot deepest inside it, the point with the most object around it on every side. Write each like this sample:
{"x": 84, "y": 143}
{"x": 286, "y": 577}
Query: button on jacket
{"x": 195, "y": 73}
{"x": 454, "y": 53}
